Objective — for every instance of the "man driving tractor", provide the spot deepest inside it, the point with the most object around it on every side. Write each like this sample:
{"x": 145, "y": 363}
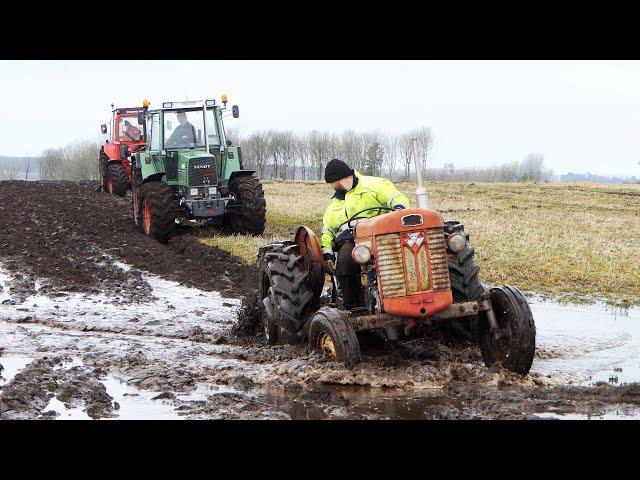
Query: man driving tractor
{"x": 354, "y": 193}
{"x": 131, "y": 133}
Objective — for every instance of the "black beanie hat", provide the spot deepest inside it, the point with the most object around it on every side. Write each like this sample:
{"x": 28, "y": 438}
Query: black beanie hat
{"x": 336, "y": 169}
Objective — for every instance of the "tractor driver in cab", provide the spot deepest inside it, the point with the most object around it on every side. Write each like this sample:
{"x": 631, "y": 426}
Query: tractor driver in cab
{"x": 354, "y": 193}
{"x": 131, "y": 133}
{"x": 184, "y": 135}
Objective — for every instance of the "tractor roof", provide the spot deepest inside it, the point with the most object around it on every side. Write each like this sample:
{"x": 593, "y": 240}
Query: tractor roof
{"x": 128, "y": 110}
{"x": 187, "y": 104}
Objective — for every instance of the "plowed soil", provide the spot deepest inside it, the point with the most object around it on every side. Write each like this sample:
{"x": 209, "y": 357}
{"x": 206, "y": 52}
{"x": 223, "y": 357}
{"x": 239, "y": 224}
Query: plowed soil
{"x": 99, "y": 318}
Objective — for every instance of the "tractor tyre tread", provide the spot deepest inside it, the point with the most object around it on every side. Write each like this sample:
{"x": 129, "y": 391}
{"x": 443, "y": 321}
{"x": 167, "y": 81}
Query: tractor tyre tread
{"x": 249, "y": 190}
{"x": 290, "y": 290}
{"x": 335, "y": 323}
{"x": 119, "y": 180}
{"x": 159, "y": 197}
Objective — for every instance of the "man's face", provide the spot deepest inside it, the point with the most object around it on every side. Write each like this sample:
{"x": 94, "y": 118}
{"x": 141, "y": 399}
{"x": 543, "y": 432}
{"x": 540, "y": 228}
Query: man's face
{"x": 182, "y": 118}
{"x": 343, "y": 185}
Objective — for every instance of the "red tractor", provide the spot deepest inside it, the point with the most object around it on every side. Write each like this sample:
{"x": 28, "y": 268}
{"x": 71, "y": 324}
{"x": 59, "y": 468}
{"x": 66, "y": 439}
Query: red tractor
{"x": 417, "y": 272}
{"x": 115, "y": 153}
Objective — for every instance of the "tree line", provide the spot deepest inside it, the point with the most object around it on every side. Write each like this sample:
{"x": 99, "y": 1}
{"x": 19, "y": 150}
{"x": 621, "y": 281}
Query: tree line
{"x": 286, "y": 155}
{"x": 283, "y": 154}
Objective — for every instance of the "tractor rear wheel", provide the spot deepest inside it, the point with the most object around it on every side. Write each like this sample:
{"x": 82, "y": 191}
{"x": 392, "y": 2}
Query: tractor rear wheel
{"x": 157, "y": 210}
{"x": 286, "y": 293}
{"x": 465, "y": 286}
{"x": 248, "y": 190}
{"x": 117, "y": 181}
{"x": 103, "y": 171}
{"x": 514, "y": 345}
{"x": 332, "y": 334}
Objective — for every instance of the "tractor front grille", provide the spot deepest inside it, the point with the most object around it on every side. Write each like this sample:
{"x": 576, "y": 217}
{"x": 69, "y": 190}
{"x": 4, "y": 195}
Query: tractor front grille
{"x": 395, "y": 281}
{"x": 389, "y": 261}
{"x": 201, "y": 169}
{"x": 438, "y": 257}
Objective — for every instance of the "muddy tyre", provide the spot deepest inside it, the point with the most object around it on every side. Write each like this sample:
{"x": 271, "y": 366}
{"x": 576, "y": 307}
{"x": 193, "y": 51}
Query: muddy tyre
{"x": 248, "y": 190}
{"x": 286, "y": 293}
{"x": 157, "y": 209}
{"x": 331, "y": 334}
{"x": 103, "y": 172}
{"x": 117, "y": 181}
{"x": 515, "y": 348}
{"x": 136, "y": 198}
{"x": 465, "y": 286}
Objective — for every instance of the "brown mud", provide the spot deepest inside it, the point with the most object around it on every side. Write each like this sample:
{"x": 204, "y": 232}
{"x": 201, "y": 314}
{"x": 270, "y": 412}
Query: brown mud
{"x": 89, "y": 305}
{"x": 69, "y": 233}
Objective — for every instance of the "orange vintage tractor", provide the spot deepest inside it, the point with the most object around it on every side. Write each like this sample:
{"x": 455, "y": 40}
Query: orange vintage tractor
{"x": 418, "y": 272}
{"x": 126, "y": 138}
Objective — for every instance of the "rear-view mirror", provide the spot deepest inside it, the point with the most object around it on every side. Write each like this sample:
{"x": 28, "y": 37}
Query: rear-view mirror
{"x": 235, "y": 111}
{"x": 140, "y": 118}
{"x": 103, "y": 128}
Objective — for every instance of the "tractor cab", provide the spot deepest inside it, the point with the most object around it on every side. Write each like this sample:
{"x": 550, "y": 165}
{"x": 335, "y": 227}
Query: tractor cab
{"x": 191, "y": 169}
{"x": 126, "y": 136}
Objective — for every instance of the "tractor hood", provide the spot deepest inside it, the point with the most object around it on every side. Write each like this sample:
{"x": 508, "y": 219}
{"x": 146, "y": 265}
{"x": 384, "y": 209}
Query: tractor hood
{"x": 186, "y": 155}
{"x": 198, "y": 167}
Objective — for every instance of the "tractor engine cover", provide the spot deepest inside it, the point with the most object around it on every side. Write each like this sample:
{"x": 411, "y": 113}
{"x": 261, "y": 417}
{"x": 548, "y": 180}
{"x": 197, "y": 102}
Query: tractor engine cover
{"x": 408, "y": 247}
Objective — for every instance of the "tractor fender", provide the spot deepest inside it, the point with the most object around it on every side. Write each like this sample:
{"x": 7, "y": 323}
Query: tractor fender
{"x": 241, "y": 173}
{"x": 112, "y": 151}
{"x": 313, "y": 261}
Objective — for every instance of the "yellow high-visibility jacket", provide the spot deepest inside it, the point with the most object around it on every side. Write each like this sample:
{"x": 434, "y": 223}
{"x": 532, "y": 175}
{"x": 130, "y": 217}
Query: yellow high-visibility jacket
{"x": 369, "y": 192}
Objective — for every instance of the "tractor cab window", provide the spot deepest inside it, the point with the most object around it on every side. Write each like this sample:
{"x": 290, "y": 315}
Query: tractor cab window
{"x": 212, "y": 129}
{"x": 183, "y": 129}
{"x": 129, "y": 130}
{"x": 155, "y": 132}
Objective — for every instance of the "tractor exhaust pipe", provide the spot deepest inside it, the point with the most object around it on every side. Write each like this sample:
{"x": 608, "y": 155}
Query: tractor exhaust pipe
{"x": 421, "y": 192}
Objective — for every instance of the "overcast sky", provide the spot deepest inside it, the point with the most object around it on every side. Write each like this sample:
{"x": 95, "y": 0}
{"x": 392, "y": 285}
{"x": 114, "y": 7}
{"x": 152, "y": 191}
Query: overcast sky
{"x": 582, "y": 115}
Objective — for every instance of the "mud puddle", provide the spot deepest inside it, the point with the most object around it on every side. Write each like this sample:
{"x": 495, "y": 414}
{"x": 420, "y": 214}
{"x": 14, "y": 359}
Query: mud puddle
{"x": 172, "y": 354}
{"x": 585, "y": 345}
{"x": 10, "y": 365}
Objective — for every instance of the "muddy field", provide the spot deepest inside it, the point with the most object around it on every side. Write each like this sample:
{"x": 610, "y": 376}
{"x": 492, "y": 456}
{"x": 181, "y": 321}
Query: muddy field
{"x": 99, "y": 321}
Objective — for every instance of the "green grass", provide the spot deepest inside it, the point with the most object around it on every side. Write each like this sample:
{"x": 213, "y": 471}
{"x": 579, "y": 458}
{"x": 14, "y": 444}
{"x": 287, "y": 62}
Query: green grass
{"x": 574, "y": 241}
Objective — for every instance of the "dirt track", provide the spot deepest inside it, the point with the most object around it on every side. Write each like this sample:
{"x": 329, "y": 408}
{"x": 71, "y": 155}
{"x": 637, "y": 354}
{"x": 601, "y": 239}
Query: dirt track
{"x": 107, "y": 322}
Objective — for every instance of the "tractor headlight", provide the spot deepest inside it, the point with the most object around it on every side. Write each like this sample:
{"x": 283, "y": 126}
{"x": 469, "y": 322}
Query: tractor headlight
{"x": 457, "y": 242}
{"x": 193, "y": 191}
{"x": 361, "y": 254}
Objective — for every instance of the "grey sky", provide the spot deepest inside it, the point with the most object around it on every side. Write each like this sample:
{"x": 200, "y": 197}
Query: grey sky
{"x": 582, "y": 115}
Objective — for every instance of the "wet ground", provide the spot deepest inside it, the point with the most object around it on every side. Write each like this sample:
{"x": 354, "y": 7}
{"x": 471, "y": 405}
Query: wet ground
{"x": 98, "y": 321}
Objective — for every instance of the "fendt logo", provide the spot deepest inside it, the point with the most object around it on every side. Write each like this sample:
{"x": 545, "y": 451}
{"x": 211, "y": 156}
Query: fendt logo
{"x": 200, "y": 167}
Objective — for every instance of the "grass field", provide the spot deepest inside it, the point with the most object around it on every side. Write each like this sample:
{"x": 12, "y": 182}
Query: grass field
{"x": 580, "y": 242}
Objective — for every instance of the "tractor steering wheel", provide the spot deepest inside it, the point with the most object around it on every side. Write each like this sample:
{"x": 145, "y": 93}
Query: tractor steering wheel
{"x": 356, "y": 217}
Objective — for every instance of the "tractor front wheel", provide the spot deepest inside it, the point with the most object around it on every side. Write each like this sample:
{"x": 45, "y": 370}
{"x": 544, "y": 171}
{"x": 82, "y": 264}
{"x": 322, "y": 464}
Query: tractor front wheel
{"x": 331, "y": 334}
{"x": 513, "y": 344}
{"x": 251, "y": 220}
{"x": 156, "y": 215}
{"x": 117, "y": 181}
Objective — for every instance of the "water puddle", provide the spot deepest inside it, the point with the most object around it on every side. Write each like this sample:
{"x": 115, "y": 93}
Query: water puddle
{"x": 5, "y": 290}
{"x": 11, "y": 365}
{"x": 612, "y": 415}
{"x": 138, "y": 404}
{"x": 64, "y": 412}
{"x": 586, "y": 344}
{"x": 350, "y": 402}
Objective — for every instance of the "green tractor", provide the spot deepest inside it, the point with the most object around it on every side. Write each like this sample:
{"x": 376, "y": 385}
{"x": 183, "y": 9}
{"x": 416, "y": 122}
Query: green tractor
{"x": 191, "y": 174}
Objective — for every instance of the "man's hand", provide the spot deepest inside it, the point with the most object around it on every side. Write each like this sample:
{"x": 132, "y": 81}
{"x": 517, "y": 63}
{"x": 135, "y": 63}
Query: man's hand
{"x": 329, "y": 263}
{"x": 330, "y": 266}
